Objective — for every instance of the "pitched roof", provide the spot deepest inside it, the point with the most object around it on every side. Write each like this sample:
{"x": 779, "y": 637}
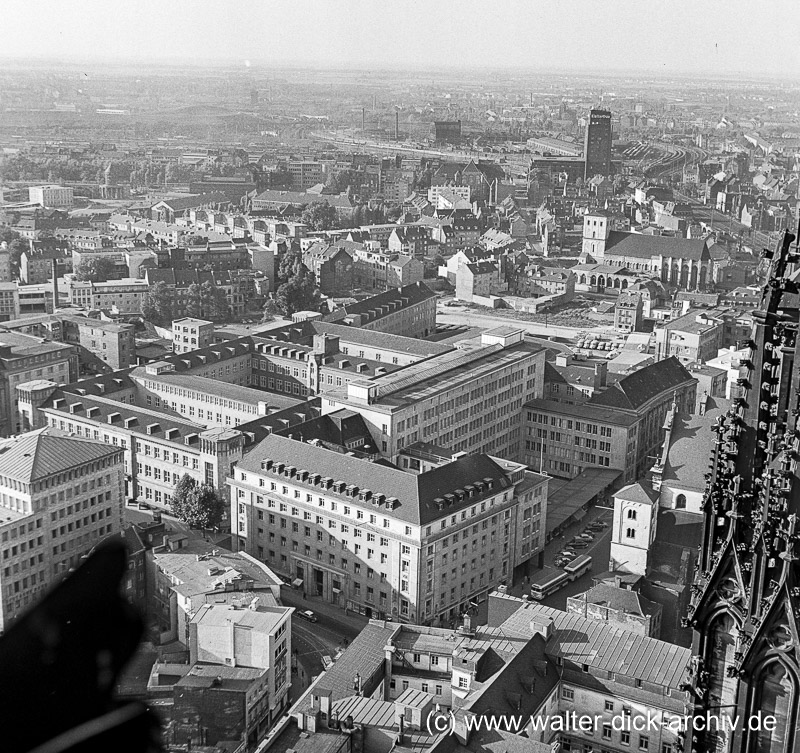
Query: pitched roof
{"x": 418, "y": 494}
{"x": 604, "y": 647}
{"x": 636, "y": 389}
{"x": 41, "y": 453}
{"x": 646, "y": 246}
{"x": 619, "y": 599}
{"x": 636, "y": 493}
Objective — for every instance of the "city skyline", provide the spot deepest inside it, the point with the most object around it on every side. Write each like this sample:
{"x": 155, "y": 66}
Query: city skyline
{"x": 542, "y": 37}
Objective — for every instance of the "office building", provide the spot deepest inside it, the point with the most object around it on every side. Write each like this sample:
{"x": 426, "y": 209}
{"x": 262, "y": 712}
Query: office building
{"x": 620, "y": 427}
{"x": 52, "y": 197}
{"x": 60, "y": 495}
{"x": 23, "y": 359}
{"x": 370, "y": 537}
{"x": 597, "y": 144}
{"x": 468, "y": 399}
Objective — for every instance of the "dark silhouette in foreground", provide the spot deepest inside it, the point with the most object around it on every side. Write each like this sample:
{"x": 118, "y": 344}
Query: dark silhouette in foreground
{"x": 59, "y": 664}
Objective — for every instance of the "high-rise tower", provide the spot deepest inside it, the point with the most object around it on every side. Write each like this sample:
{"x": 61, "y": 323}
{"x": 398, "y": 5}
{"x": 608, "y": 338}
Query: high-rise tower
{"x": 597, "y": 144}
{"x": 745, "y": 609}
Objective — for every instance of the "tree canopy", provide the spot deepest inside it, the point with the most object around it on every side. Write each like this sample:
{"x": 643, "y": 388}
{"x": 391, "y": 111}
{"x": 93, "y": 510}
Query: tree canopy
{"x": 158, "y": 306}
{"x": 298, "y": 293}
{"x": 199, "y": 505}
{"x": 319, "y": 215}
{"x": 96, "y": 268}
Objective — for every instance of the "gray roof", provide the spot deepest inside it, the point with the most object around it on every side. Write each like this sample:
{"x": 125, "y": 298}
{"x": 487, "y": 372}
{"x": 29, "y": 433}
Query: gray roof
{"x": 604, "y": 647}
{"x": 647, "y": 246}
{"x": 635, "y": 390}
{"x": 44, "y": 452}
{"x": 691, "y": 438}
{"x": 416, "y": 493}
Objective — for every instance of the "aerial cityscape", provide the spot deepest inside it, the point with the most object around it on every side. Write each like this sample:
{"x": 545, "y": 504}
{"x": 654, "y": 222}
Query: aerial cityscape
{"x": 385, "y": 382}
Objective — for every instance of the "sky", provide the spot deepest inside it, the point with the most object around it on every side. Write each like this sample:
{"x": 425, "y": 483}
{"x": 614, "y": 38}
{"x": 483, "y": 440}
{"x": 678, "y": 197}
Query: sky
{"x": 702, "y": 37}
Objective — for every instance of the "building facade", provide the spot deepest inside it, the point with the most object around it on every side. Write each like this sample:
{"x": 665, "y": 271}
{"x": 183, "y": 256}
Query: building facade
{"x": 60, "y": 496}
{"x": 382, "y": 541}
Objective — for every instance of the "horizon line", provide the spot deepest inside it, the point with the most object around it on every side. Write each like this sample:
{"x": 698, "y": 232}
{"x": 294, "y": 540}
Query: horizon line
{"x": 252, "y": 64}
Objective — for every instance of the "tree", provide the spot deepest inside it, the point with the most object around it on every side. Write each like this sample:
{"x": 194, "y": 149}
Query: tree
{"x": 214, "y": 302}
{"x": 270, "y": 310}
{"x": 290, "y": 264}
{"x": 96, "y": 268}
{"x": 15, "y": 250}
{"x": 299, "y": 293}
{"x": 198, "y": 505}
{"x": 194, "y": 301}
{"x": 159, "y": 304}
{"x": 319, "y": 215}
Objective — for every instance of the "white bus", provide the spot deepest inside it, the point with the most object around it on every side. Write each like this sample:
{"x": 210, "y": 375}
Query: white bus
{"x": 548, "y": 582}
{"x": 578, "y": 567}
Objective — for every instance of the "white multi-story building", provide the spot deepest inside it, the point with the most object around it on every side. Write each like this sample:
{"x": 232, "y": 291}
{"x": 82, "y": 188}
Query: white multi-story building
{"x": 59, "y": 496}
{"x": 52, "y": 197}
{"x": 468, "y": 399}
{"x": 384, "y": 541}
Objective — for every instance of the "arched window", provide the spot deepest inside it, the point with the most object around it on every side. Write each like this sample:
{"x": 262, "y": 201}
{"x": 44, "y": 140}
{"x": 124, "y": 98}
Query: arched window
{"x": 631, "y": 514}
{"x": 775, "y": 694}
{"x": 680, "y": 502}
{"x": 718, "y": 651}
{"x": 630, "y": 533}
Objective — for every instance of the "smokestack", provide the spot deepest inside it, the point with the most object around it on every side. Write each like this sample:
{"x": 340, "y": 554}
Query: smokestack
{"x": 397, "y": 126}
{"x": 55, "y": 284}
{"x": 363, "y": 120}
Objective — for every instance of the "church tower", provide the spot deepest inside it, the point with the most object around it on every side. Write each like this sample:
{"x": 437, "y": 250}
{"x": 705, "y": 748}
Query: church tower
{"x": 745, "y": 607}
{"x": 596, "y": 228}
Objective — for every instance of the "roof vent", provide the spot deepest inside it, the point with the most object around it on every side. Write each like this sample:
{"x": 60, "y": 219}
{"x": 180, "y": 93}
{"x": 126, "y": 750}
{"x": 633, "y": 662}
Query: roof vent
{"x": 153, "y": 428}
{"x": 113, "y": 417}
{"x": 173, "y": 433}
{"x": 75, "y": 407}
{"x": 93, "y": 411}
{"x": 129, "y": 422}
{"x": 266, "y": 464}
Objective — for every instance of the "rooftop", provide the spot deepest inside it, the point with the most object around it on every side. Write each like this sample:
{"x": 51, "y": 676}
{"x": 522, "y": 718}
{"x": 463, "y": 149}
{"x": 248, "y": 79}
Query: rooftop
{"x": 196, "y": 569}
{"x": 635, "y": 390}
{"x": 421, "y": 498}
{"x": 646, "y": 246}
{"x": 691, "y": 438}
{"x": 44, "y": 452}
{"x": 602, "y": 646}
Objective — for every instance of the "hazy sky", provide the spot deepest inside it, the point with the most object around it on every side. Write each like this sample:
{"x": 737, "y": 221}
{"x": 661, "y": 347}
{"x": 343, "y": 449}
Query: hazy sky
{"x": 691, "y": 36}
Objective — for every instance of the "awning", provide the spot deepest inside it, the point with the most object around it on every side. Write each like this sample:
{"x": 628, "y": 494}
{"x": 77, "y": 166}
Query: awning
{"x": 297, "y": 583}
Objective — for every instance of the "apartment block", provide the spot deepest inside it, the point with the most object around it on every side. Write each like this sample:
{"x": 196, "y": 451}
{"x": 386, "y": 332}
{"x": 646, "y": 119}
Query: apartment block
{"x": 113, "y": 345}
{"x": 60, "y": 495}
{"x": 384, "y": 541}
{"x": 191, "y": 334}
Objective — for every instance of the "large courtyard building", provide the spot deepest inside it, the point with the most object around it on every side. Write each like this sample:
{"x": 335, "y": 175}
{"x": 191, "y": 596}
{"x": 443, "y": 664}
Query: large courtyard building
{"x": 382, "y": 541}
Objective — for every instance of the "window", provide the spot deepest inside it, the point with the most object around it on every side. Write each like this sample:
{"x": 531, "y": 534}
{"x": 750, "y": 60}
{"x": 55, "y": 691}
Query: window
{"x": 568, "y": 694}
{"x": 625, "y": 737}
{"x": 644, "y": 742}
{"x": 462, "y": 682}
{"x": 630, "y": 533}
{"x": 609, "y": 705}
{"x": 631, "y": 514}
{"x": 606, "y": 732}
{"x": 680, "y": 502}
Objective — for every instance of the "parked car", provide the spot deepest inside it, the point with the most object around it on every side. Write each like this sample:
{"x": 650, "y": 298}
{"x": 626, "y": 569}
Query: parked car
{"x": 307, "y": 614}
{"x": 580, "y": 545}
{"x": 561, "y": 561}
{"x": 568, "y": 553}
{"x": 144, "y": 506}
{"x": 586, "y": 536}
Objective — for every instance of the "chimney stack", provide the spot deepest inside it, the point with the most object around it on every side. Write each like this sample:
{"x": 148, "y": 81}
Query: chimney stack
{"x": 397, "y": 125}
{"x": 55, "y": 284}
